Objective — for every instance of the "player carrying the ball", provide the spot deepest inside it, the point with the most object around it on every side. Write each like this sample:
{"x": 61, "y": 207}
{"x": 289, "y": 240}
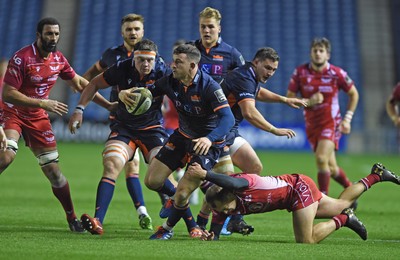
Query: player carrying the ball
{"x": 129, "y": 131}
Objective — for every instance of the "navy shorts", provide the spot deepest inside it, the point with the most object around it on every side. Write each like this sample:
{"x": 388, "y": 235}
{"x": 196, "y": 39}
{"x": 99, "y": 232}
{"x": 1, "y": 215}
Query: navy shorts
{"x": 178, "y": 151}
{"x": 145, "y": 140}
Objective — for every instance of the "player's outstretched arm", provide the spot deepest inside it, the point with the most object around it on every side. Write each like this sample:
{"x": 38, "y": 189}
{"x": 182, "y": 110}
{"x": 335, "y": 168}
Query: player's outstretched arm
{"x": 13, "y": 96}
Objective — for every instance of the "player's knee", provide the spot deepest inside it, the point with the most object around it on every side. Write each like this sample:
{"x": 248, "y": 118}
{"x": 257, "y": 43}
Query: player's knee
{"x": 182, "y": 197}
{"x": 321, "y": 158}
{"x": 112, "y": 167}
{"x": 152, "y": 182}
{"x": 305, "y": 240}
{"x": 47, "y": 158}
{"x": 8, "y": 157}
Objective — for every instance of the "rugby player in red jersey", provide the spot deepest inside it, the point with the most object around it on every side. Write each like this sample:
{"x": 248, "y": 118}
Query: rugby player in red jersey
{"x": 319, "y": 82}
{"x": 31, "y": 74}
{"x": 246, "y": 194}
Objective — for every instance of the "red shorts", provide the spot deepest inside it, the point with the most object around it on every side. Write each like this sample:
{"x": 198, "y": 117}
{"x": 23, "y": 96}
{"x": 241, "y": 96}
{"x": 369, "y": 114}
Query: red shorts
{"x": 305, "y": 193}
{"x": 37, "y": 132}
{"x": 330, "y": 132}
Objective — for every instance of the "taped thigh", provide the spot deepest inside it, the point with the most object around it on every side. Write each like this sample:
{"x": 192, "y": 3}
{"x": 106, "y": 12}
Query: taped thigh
{"x": 239, "y": 142}
{"x": 116, "y": 150}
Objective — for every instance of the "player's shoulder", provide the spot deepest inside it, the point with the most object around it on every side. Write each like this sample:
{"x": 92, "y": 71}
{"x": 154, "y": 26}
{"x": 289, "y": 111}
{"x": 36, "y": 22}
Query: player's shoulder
{"x": 26, "y": 51}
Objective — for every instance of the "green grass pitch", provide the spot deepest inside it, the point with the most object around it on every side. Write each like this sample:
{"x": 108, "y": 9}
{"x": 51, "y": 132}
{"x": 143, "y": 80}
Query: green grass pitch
{"x": 33, "y": 226}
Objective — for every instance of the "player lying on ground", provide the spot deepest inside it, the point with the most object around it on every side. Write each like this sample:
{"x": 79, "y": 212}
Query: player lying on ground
{"x": 250, "y": 193}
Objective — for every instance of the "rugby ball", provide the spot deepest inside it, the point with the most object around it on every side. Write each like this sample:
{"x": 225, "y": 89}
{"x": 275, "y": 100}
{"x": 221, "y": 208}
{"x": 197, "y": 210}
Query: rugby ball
{"x": 142, "y": 101}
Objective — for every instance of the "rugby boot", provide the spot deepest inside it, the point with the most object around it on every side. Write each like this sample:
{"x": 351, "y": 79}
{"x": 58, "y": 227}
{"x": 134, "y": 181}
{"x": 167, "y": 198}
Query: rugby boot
{"x": 162, "y": 234}
{"x": 92, "y": 225}
{"x": 385, "y": 174}
{"x": 354, "y": 223}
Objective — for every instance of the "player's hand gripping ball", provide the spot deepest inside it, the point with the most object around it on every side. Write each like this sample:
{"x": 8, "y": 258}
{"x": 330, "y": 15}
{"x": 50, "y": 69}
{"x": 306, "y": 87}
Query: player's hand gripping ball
{"x": 142, "y": 100}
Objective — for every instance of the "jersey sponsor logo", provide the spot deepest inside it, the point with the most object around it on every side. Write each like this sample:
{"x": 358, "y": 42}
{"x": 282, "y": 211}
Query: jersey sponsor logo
{"x": 220, "y": 95}
{"x": 53, "y": 77}
{"x": 36, "y": 78}
{"x": 17, "y": 60}
{"x": 212, "y": 69}
{"x": 326, "y": 80}
{"x": 206, "y": 68}
{"x": 41, "y": 91}
{"x": 218, "y": 57}
{"x": 217, "y": 69}
{"x": 326, "y": 89}
{"x": 54, "y": 68}
{"x": 246, "y": 94}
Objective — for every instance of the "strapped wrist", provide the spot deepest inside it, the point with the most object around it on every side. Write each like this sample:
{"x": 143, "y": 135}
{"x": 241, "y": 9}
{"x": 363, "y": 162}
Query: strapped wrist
{"x": 79, "y": 109}
{"x": 349, "y": 116}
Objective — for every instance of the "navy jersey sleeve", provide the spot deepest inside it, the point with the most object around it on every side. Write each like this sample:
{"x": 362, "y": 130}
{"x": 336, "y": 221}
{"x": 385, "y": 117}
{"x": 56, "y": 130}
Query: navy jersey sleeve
{"x": 226, "y": 181}
{"x": 241, "y": 87}
{"x": 107, "y": 59}
{"x": 237, "y": 59}
{"x": 220, "y": 105}
{"x": 114, "y": 73}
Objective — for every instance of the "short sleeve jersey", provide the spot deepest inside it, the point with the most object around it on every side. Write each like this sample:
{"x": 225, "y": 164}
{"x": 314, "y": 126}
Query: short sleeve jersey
{"x": 34, "y": 76}
{"x": 196, "y": 104}
{"x": 240, "y": 85}
{"x": 124, "y": 75}
{"x": 307, "y": 81}
{"x": 219, "y": 60}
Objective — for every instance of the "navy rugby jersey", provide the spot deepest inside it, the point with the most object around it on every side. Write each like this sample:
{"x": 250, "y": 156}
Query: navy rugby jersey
{"x": 124, "y": 75}
{"x": 240, "y": 84}
{"x": 195, "y": 103}
{"x": 119, "y": 53}
{"x": 219, "y": 60}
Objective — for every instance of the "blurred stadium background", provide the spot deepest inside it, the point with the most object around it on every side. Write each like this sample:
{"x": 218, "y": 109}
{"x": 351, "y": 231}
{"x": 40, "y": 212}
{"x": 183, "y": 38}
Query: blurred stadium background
{"x": 365, "y": 36}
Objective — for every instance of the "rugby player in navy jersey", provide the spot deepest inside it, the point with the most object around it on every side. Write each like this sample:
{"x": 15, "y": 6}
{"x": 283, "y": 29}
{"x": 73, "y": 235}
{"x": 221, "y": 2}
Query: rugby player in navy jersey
{"x": 253, "y": 194}
{"x": 204, "y": 120}
{"x": 128, "y": 131}
{"x": 132, "y": 31}
{"x": 217, "y": 59}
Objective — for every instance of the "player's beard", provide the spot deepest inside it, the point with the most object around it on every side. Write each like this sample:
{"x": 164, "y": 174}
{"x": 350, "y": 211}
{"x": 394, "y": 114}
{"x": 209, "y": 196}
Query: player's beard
{"x": 49, "y": 46}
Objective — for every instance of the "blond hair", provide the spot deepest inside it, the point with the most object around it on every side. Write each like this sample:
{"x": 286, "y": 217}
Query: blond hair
{"x": 210, "y": 12}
